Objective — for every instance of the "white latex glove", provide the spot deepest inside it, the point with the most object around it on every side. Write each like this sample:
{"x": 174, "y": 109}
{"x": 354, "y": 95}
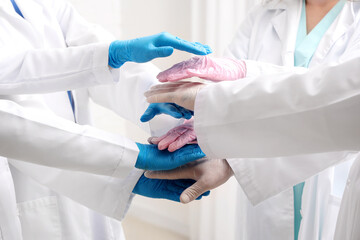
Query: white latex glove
{"x": 208, "y": 175}
{"x": 182, "y": 93}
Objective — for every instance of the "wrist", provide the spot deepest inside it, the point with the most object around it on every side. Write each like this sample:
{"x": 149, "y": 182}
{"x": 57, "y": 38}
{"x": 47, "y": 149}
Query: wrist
{"x": 118, "y": 53}
{"x": 140, "y": 164}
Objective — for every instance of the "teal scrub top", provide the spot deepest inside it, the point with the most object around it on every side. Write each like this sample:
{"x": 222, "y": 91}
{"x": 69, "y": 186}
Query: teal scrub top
{"x": 306, "y": 45}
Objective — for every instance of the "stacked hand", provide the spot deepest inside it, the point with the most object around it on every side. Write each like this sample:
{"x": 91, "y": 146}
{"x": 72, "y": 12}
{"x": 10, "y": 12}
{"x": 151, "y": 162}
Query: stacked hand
{"x": 182, "y": 93}
{"x": 150, "y": 158}
{"x": 176, "y": 138}
{"x": 145, "y": 49}
{"x": 178, "y": 99}
{"x": 162, "y": 188}
{"x": 205, "y": 67}
{"x": 208, "y": 174}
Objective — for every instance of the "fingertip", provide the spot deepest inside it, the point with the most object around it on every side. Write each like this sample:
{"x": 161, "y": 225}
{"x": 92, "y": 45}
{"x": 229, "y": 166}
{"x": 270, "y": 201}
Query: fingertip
{"x": 148, "y": 174}
{"x": 165, "y": 51}
{"x": 207, "y": 193}
{"x": 162, "y": 147}
{"x": 145, "y": 118}
{"x": 187, "y": 115}
{"x": 184, "y": 198}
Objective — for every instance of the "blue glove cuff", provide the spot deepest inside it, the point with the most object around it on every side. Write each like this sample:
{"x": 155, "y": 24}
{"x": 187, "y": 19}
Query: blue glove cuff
{"x": 118, "y": 54}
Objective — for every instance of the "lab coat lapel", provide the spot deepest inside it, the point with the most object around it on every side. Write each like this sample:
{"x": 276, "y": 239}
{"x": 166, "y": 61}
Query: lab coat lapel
{"x": 33, "y": 14}
{"x": 340, "y": 26}
{"x": 286, "y": 25}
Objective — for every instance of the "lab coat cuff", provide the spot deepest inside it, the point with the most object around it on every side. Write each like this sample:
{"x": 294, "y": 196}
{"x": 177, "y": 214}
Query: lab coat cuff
{"x": 127, "y": 160}
{"x": 256, "y": 69}
{"x": 243, "y": 174}
{"x": 124, "y": 206}
{"x": 102, "y": 72}
{"x": 253, "y": 69}
{"x": 200, "y": 116}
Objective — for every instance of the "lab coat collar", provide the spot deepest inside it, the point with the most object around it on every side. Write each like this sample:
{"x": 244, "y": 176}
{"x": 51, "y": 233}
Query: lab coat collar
{"x": 340, "y": 26}
{"x": 286, "y": 23}
{"x": 277, "y": 4}
{"x": 31, "y": 11}
{"x": 33, "y": 16}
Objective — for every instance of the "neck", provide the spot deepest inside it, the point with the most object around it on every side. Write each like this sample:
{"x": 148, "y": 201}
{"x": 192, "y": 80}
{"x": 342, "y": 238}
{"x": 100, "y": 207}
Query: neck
{"x": 321, "y": 2}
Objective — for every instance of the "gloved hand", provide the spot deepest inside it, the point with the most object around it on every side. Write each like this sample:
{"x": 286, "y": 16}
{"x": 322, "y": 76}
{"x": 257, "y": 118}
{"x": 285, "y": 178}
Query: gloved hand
{"x": 166, "y": 189}
{"x": 144, "y": 49}
{"x": 166, "y": 108}
{"x": 208, "y": 174}
{"x": 209, "y": 68}
{"x": 182, "y": 93}
{"x": 176, "y": 138}
{"x": 151, "y": 158}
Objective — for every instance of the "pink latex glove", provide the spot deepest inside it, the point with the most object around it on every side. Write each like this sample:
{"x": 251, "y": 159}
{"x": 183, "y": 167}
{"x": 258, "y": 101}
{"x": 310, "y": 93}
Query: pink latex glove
{"x": 176, "y": 138}
{"x": 209, "y": 68}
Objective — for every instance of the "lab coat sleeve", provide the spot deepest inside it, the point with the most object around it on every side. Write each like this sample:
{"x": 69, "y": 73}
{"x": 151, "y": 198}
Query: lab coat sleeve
{"x": 262, "y": 178}
{"x": 81, "y": 62}
{"x": 42, "y": 138}
{"x": 125, "y": 97}
{"x": 50, "y": 70}
{"x": 85, "y": 188}
{"x": 281, "y": 115}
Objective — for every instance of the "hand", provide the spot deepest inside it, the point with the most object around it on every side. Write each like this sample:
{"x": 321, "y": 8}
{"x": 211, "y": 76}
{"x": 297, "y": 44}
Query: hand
{"x": 151, "y": 158}
{"x": 182, "y": 93}
{"x": 145, "y": 49}
{"x": 166, "y": 108}
{"x": 209, "y": 68}
{"x": 166, "y": 189}
{"x": 176, "y": 138}
{"x": 208, "y": 174}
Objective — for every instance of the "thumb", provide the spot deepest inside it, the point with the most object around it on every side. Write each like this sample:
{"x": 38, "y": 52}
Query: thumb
{"x": 179, "y": 173}
{"x": 193, "y": 192}
{"x": 164, "y": 51}
{"x": 148, "y": 115}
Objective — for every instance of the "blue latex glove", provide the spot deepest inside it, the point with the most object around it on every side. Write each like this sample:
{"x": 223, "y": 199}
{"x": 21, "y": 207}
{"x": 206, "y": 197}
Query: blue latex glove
{"x": 166, "y": 189}
{"x": 171, "y": 109}
{"x": 151, "y": 158}
{"x": 145, "y": 49}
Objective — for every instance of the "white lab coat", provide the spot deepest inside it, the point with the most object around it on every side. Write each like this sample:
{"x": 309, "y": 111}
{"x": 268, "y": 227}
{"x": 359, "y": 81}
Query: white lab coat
{"x": 60, "y": 180}
{"x": 302, "y": 121}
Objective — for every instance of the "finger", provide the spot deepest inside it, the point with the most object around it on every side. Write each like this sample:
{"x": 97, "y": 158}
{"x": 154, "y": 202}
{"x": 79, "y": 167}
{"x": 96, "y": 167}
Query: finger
{"x": 159, "y": 91}
{"x": 162, "y": 97}
{"x": 163, "y": 51}
{"x": 172, "y": 110}
{"x": 149, "y": 114}
{"x": 153, "y": 140}
{"x": 205, "y": 194}
{"x": 170, "y": 138}
{"x": 186, "y": 138}
{"x": 193, "y": 192}
{"x": 188, "y": 154}
{"x": 187, "y": 114}
{"x": 167, "y": 39}
{"x": 207, "y": 47}
{"x": 178, "y": 173}
{"x": 169, "y": 85}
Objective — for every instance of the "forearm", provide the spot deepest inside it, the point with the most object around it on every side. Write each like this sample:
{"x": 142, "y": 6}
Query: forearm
{"x": 281, "y": 115}
{"x": 42, "y": 138}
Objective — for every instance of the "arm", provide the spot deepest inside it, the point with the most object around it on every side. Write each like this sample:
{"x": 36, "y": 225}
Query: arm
{"x": 46, "y": 139}
{"x": 289, "y": 115}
